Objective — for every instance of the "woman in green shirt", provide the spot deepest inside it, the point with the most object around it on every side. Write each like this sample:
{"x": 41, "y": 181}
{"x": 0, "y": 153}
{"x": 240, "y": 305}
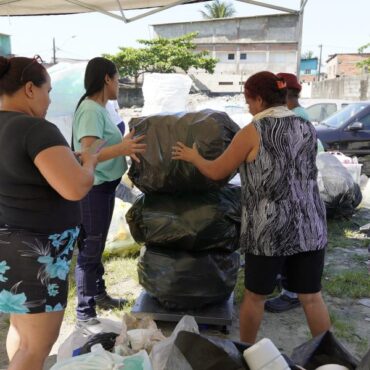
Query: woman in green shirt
{"x": 92, "y": 122}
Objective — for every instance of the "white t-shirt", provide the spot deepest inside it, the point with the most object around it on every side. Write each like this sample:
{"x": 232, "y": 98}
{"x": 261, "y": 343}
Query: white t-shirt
{"x": 113, "y": 108}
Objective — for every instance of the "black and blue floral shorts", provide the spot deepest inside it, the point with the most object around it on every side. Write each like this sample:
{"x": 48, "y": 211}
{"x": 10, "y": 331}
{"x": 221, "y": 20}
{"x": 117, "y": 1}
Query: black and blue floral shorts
{"x": 34, "y": 270}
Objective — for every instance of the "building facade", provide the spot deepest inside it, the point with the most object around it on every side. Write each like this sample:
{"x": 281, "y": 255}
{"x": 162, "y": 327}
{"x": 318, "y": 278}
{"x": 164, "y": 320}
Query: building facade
{"x": 5, "y": 45}
{"x": 309, "y": 70}
{"x": 243, "y": 46}
{"x": 339, "y": 65}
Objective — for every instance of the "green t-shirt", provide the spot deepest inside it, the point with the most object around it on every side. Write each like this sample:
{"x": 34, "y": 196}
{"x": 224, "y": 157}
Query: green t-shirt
{"x": 301, "y": 112}
{"x": 91, "y": 119}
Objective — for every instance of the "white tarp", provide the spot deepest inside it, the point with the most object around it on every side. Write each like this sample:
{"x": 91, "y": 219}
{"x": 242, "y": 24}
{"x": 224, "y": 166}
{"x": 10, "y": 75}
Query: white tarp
{"x": 54, "y": 7}
{"x": 67, "y": 81}
{"x": 49, "y": 7}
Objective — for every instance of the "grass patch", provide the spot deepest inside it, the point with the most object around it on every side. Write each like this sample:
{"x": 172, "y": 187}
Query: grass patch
{"x": 342, "y": 328}
{"x": 348, "y": 284}
{"x": 239, "y": 287}
{"x": 70, "y": 312}
{"x": 344, "y": 234}
{"x": 117, "y": 270}
{"x": 360, "y": 258}
{"x": 345, "y": 330}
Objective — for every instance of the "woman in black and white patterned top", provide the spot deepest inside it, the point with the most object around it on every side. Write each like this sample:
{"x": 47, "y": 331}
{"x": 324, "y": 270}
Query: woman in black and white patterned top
{"x": 283, "y": 220}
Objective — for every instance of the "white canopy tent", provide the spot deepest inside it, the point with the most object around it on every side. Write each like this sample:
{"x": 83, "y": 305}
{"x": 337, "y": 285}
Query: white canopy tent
{"x": 117, "y": 9}
{"x": 107, "y": 7}
{"x": 62, "y": 73}
{"x": 55, "y": 7}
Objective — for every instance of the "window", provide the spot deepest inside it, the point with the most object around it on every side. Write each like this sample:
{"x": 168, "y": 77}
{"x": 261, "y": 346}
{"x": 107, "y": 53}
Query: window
{"x": 318, "y": 112}
{"x": 231, "y": 56}
{"x": 243, "y": 56}
{"x": 345, "y": 114}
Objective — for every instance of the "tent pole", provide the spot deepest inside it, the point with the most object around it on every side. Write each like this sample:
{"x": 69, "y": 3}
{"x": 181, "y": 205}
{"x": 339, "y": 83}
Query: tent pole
{"x": 122, "y": 17}
{"x": 150, "y": 12}
{"x": 96, "y": 9}
{"x": 122, "y": 12}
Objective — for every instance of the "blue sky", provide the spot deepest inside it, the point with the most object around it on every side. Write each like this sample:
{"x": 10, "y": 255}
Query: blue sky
{"x": 340, "y": 25}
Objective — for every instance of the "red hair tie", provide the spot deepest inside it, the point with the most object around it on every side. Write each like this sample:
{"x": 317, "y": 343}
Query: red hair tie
{"x": 281, "y": 84}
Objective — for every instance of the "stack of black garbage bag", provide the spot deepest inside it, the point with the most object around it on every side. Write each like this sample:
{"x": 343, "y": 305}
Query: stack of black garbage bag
{"x": 188, "y": 223}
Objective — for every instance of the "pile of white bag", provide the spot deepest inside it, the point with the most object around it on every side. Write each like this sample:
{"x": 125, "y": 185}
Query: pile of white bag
{"x": 137, "y": 337}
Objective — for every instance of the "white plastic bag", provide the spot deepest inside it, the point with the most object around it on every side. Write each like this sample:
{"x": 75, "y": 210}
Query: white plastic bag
{"x": 119, "y": 239}
{"x": 340, "y": 193}
{"x": 162, "y": 350}
{"x": 143, "y": 338}
{"x": 165, "y": 92}
{"x": 99, "y": 359}
{"x": 341, "y": 157}
{"x": 137, "y": 334}
{"x": 81, "y": 336}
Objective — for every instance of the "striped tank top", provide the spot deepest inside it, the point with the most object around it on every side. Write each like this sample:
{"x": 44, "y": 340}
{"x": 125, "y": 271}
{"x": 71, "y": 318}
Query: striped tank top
{"x": 282, "y": 213}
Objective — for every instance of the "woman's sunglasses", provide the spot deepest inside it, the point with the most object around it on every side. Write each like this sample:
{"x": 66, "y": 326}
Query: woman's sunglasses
{"x": 35, "y": 59}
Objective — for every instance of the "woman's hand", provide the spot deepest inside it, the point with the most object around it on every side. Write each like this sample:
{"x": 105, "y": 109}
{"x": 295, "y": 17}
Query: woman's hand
{"x": 183, "y": 152}
{"x": 87, "y": 159}
{"x": 132, "y": 146}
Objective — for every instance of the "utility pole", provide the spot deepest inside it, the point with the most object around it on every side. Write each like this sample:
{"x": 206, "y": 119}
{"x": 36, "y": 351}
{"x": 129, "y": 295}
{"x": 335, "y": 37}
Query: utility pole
{"x": 54, "y": 52}
{"x": 300, "y": 29}
{"x": 318, "y": 78}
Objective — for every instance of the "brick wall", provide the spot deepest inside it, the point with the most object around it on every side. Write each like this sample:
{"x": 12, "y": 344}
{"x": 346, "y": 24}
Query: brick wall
{"x": 345, "y": 65}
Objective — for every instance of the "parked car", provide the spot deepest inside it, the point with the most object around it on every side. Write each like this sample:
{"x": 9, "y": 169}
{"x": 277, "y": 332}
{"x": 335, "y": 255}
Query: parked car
{"x": 348, "y": 131}
{"x": 320, "y": 109}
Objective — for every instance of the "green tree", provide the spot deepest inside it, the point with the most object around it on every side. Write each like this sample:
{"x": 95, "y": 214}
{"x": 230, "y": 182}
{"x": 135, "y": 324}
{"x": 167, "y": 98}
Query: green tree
{"x": 307, "y": 55}
{"x": 218, "y": 9}
{"x": 162, "y": 55}
{"x": 130, "y": 62}
{"x": 364, "y": 64}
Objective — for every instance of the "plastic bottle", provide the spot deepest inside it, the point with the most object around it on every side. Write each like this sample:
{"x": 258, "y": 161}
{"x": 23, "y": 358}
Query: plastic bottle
{"x": 265, "y": 356}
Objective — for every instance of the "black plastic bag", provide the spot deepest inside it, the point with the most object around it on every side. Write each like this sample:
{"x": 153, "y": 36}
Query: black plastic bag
{"x": 340, "y": 193}
{"x": 193, "y": 351}
{"x": 200, "y": 221}
{"x": 212, "y": 131}
{"x": 322, "y": 350}
{"x": 107, "y": 340}
{"x": 187, "y": 280}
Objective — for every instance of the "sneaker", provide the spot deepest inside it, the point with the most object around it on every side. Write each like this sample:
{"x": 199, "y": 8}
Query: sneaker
{"x": 91, "y": 325}
{"x": 281, "y": 303}
{"x": 106, "y": 302}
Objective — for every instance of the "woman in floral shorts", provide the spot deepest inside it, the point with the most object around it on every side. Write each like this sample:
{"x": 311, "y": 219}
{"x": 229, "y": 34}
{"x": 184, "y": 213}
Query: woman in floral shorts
{"x": 40, "y": 184}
